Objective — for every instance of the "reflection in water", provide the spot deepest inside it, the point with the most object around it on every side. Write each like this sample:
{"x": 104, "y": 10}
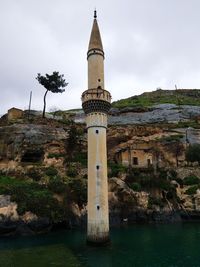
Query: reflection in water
{"x": 135, "y": 246}
{"x": 51, "y": 255}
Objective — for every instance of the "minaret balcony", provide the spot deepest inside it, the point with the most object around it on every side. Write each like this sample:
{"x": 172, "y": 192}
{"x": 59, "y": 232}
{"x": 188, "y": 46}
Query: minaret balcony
{"x": 96, "y": 100}
{"x": 96, "y": 94}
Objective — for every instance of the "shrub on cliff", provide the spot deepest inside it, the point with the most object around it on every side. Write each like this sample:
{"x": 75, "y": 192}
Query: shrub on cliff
{"x": 155, "y": 201}
{"x": 192, "y": 153}
{"x": 78, "y": 190}
{"x": 51, "y": 171}
{"x": 191, "y": 180}
{"x": 34, "y": 174}
{"x": 135, "y": 187}
{"x": 81, "y": 157}
{"x": 31, "y": 196}
{"x": 57, "y": 185}
{"x": 192, "y": 190}
{"x": 115, "y": 169}
{"x": 72, "y": 171}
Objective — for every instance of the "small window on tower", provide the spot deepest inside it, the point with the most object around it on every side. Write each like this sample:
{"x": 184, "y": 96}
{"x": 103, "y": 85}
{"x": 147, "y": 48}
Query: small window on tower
{"x": 97, "y": 167}
{"x": 98, "y": 207}
{"x": 97, "y": 131}
{"x": 99, "y": 80}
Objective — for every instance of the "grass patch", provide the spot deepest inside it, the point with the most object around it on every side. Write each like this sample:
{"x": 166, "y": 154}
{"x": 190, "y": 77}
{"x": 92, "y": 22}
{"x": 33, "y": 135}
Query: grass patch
{"x": 148, "y": 99}
{"x": 171, "y": 138}
{"x": 187, "y": 124}
{"x": 55, "y": 155}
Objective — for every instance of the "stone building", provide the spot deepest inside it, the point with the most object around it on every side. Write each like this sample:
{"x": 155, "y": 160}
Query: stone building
{"x": 143, "y": 154}
{"x": 15, "y": 113}
{"x": 138, "y": 155}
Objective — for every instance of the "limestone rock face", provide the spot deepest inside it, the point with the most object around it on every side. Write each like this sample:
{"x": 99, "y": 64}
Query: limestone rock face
{"x": 155, "y": 114}
{"x": 120, "y": 193}
{"x": 189, "y": 171}
{"x": 28, "y": 217}
{"x": 197, "y": 200}
{"x": 8, "y": 209}
{"x": 26, "y": 143}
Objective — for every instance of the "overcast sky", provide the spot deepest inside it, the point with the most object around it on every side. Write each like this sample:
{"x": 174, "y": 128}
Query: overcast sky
{"x": 147, "y": 43}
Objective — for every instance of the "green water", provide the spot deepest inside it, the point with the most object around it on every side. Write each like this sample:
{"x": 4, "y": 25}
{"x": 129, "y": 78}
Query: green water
{"x": 136, "y": 246}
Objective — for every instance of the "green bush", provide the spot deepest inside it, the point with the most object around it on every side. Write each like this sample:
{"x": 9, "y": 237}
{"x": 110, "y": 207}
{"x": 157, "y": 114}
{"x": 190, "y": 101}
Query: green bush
{"x": 34, "y": 174}
{"x": 115, "y": 169}
{"x": 192, "y": 153}
{"x": 162, "y": 173}
{"x": 135, "y": 187}
{"x": 31, "y": 196}
{"x": 148, "y": 180}
{"x": 57, "y": 185}
{"x": 155, "y": 201}
{"x": 78, "y": 189}
{"x": 172, "y": 175}
{"x": 81, "y": 158}
{"x": 179, "y": 181}
{"x": 191, "y": 180}
{"x": 51, "y": 171}
{"x": 192, "y": 190}
{"x": 72, "y": 171}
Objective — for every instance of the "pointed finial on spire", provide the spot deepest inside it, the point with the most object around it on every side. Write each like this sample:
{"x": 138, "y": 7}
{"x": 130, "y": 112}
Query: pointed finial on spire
{"x": 95, "y": 14}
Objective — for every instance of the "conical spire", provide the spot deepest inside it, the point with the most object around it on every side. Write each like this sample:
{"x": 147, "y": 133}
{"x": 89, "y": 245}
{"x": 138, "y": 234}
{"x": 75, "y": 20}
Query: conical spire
{"x": 95, "y": 37}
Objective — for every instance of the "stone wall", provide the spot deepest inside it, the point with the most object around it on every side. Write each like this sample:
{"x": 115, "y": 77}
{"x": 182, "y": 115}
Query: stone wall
{"x": 14, "y": 114}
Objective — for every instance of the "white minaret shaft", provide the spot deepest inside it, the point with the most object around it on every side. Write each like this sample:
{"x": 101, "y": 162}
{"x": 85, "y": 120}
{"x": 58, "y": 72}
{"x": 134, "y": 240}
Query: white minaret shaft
{"x": 96, "y": 104}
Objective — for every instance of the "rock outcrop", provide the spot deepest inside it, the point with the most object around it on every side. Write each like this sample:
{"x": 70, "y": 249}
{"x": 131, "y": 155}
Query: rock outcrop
{"x": 167, "y": 113}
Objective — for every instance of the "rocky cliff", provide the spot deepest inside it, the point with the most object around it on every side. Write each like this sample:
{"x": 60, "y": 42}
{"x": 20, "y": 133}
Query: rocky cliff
{"x": 43, "y": 172}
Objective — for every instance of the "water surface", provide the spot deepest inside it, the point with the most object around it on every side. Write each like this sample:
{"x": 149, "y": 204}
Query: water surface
{"x": 136, "y": 246}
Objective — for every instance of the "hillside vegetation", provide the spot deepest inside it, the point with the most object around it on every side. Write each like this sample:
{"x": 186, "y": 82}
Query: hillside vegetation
{"x": 148, "y": 99}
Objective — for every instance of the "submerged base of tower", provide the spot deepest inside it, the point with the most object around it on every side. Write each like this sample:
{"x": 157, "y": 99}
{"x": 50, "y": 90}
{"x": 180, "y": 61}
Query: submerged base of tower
{"x": 96, "y": 240}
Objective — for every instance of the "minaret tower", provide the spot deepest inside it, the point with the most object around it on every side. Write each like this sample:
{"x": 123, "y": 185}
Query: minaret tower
{"x": 96, "y": 104}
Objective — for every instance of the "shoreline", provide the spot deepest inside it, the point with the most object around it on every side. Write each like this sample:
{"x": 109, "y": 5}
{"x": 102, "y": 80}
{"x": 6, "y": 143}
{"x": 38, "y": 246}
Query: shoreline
{"x": 19, "y": 228}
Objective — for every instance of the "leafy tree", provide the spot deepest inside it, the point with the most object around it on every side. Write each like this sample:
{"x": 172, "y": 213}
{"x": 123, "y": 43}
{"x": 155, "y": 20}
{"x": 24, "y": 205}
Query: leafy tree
{"x": 54, "y": 83}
